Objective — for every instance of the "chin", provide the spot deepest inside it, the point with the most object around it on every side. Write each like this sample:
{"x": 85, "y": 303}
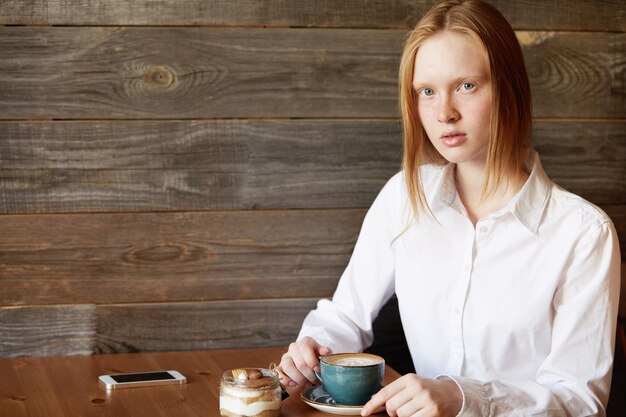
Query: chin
{"x": 454, "y": 157}
{"x": 458, "y": 155}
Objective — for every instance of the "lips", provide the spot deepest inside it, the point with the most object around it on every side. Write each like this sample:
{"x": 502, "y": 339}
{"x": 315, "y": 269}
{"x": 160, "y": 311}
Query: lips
{"x": 453, "y": 138}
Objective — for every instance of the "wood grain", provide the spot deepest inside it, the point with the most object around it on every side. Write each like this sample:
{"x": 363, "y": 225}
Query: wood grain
{"x": 147, "y": 257}
{"x": 586, "y": 157}
{"x": 155, "y": 73}
{"x": 127, "y": 258}
{"x": 88, "y": 329}
{"x": 192, "y": 326}
{"x": 100, "y": 166}
{"x": 196, "y": 72}
{"x": 150, "y": 139}
{"x": 47, "y": 330}
{"x": 191, "y": 165}
{"x": 563, "y": 69}
{"x": 34, "y": 389}
{"x": 606, "y": 15}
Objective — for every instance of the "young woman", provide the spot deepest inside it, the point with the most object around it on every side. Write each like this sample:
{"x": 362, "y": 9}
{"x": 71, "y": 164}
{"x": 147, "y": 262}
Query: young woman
{"x": 507, "y": 284}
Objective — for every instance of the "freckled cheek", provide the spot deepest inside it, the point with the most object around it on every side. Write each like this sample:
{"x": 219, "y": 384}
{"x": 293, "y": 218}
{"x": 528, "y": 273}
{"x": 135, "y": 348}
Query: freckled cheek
{"x": 485, "y": 117}
{"x": 428, "y": 119}
{"x": 427, "y": 115}
{"x": 483, "y": 112}
{"x": 476, "y": 114}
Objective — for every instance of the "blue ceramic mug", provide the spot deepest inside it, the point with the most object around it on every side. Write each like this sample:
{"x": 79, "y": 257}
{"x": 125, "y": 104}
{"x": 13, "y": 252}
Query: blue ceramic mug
{"x": 351, "y": 378}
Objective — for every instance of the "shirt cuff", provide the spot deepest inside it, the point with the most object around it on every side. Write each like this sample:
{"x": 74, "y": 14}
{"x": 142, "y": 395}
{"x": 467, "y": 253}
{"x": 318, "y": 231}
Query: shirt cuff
{"x": 475, "y": 396}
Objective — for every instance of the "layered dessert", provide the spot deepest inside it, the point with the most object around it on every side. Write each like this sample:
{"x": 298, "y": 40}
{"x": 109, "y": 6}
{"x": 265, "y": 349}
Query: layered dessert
{"x": 250, "y": 392}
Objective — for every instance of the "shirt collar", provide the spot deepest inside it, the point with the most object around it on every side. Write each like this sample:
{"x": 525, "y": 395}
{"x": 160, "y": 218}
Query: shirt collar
{"x": 527, "y": 205}
{"x": 444, "y": 188}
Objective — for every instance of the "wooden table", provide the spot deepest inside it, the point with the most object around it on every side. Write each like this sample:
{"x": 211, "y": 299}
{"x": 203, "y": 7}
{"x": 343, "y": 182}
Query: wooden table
{"x": 68, "y": 385}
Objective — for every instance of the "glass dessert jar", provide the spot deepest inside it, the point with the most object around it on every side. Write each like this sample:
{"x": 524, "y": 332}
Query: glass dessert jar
{"x": 250, "y": 392}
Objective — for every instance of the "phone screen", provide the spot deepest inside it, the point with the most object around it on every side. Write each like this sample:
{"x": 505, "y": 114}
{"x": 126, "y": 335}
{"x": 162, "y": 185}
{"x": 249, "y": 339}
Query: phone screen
{"x": 143, "y": 376}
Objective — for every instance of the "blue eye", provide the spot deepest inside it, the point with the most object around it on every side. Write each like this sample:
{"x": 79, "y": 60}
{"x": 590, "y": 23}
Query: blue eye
{"x": 428, "y": 92}
{"x": 467, "y": 86}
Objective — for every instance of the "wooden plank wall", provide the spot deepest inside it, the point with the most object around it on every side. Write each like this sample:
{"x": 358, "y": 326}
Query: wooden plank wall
{"x": 189, "y": 175}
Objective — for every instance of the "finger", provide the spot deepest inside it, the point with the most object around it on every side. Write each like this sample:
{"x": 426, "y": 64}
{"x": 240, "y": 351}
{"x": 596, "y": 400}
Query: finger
{"x": 311, "y": 351}
{"x": 404, "y": 403}
{"x": 322, "y": 351}
{"x": 292, "y": 372}
{"x": 303, "y": 368}
{"x": 284, "y": 378}
{"x": 293, "y": 375}
{"x": 310, "y": 357}
{"x": 380, "y": 398}
{"x": 413, "y": 408}
{"x": 325, "y": 350}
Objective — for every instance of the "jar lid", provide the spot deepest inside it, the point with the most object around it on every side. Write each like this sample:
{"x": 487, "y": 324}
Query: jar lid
{"x": 250, "y": 378}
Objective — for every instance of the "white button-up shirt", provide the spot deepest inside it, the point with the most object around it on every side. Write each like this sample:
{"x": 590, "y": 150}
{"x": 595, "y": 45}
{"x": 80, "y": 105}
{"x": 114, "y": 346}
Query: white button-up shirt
{"x": 520, "y": 310}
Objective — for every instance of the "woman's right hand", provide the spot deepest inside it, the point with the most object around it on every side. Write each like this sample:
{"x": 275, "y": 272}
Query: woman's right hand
{"x": 299, "y": 364}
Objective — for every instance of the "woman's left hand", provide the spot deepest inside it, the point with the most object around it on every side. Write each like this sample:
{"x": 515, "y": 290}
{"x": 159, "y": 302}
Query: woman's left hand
{"x": 411, "y": 395}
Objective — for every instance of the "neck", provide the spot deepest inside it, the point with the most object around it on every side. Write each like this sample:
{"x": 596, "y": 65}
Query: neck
{"x": 469, "y": 182}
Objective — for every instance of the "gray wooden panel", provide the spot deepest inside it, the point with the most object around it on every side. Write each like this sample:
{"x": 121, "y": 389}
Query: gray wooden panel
{"x": 109, "y": 166}
{"x": 47, "y": 330}
{"x": 108, "y": 258}
{"x": 191, "y": 326}
{"x": 585, "y": 157}
{"x": 153, "y": 73}
{"x": 88, "y": 329}
{"x": 197, "y": 165}
{"x": 193, "y": 256}
{"x": 566, "y": 68}
{"x": 173, "y": 73}
{"x": 606, "y": 15}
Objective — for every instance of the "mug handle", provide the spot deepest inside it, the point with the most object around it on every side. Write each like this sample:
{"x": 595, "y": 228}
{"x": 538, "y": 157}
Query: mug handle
{"x": 319, "y": 374}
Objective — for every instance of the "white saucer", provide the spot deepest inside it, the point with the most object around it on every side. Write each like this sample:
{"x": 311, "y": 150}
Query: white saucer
{"x": 318, "y": 398}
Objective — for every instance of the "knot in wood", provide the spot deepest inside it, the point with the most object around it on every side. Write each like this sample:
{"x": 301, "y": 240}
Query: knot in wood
{"x": 162, "y": 253}
{"x": 159, "y": 77}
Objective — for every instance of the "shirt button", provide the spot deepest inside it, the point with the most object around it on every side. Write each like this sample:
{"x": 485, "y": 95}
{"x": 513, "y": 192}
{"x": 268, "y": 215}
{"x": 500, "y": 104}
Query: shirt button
{"x": 457, "y": 311}
{"x": 467, "y": 268}
{"x": 483, "y": 229}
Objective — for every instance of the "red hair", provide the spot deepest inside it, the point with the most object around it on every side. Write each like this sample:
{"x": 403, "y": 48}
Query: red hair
{"x": 511, "y": 112}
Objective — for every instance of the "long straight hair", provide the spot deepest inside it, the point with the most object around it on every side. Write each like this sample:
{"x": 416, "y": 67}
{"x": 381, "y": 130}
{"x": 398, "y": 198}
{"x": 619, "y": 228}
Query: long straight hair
{"x": 511, "y": 111}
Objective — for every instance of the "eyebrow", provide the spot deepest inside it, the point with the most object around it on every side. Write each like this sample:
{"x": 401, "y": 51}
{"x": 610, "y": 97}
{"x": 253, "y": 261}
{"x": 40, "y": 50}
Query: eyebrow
{"x": 480, "y": 77}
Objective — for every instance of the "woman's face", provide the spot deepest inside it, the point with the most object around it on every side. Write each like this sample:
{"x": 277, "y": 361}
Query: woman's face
{"x": 453, "y": 85}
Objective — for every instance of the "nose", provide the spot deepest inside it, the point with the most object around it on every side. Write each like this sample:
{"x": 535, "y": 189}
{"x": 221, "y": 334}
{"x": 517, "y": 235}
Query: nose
{"x": 447, "y": 111}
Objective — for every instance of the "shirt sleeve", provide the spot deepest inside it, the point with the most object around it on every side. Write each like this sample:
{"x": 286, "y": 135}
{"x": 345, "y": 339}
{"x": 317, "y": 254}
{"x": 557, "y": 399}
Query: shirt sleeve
{"x": 575, "y": 378}
{"x": 345, "y": 322}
